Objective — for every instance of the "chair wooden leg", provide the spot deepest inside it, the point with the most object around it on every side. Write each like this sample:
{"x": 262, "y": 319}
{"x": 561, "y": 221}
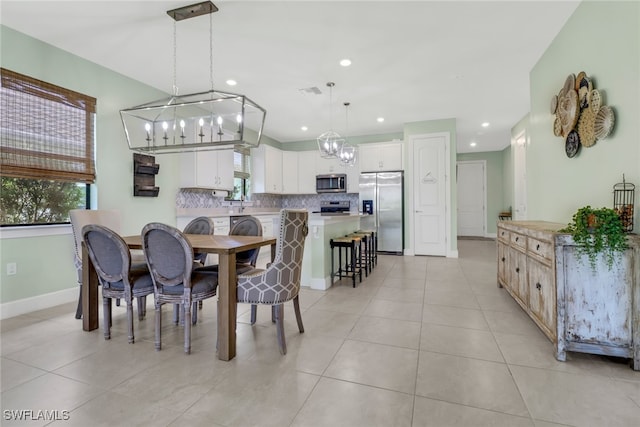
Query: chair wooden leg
{"x": 130, "y": 320}
{"x": 187, "y": 327}
{"x": 139, "y": 300}
{"x": 194, "y": 313}
{"x": 158, "y": 342}
{"x": 79, "y": 308}
{"x": 176, "y": 314}
{"x": 106, "y": 312}
{"x": 144, "y": 306}
{"x": 296, "y": 308}
{"x": 254, "y": 313}
{"x": 279, "y": 312}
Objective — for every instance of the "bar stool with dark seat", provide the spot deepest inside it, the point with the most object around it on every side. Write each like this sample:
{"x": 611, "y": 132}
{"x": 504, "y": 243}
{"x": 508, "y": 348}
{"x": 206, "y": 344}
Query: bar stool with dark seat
{"x": 366, "y": 247}
{"x": 351, "y": 267}
{"x": 373, "y": 246}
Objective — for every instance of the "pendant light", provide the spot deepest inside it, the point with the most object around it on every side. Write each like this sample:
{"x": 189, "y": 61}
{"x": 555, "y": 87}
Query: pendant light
{"x": 330, "y": 142}
{"x": 348, "y": 152}
{"x": 209, "y": 120}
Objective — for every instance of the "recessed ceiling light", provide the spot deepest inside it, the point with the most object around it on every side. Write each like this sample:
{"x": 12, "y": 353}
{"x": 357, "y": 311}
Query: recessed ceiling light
{"x": 304, "y": 128}
{"x": 473, "y": 144}
{"x": 380, "y": 119}
{"x": 345, "y": 62}
{"x": 485, "y": 124}
{"x": 231, "y": 82}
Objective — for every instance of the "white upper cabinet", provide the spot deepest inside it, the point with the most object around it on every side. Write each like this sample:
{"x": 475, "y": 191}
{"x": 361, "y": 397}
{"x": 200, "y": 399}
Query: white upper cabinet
{"x": 207, "y": 169}
{"x": 306, "y": 171}
{"x": 385, "y": 156}
{"x": 353, "y": 178}
{"x": 266, "y": 170}
{"x": 290, "y": 173}
{"x": 328, "y": 166}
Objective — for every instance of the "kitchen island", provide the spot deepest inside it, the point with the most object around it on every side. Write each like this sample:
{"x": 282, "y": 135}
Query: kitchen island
{"x": 316, "y": 264}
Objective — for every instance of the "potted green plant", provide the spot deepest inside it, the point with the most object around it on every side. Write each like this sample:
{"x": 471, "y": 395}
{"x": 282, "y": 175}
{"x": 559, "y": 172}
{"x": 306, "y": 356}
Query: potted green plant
{"x": 597, "y": 231}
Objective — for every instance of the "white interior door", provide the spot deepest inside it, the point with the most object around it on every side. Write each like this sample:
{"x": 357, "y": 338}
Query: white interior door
{"x": 520, "y": 178}
{"x": 472, "y": 198}
{"x": 430, "y": 222}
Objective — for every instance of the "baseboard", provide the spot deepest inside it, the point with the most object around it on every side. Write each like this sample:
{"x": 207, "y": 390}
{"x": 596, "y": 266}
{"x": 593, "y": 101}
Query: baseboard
{"x": 320, "y": 284}
{"x": 491, "y": 235}
{"x": 40, "y": 302}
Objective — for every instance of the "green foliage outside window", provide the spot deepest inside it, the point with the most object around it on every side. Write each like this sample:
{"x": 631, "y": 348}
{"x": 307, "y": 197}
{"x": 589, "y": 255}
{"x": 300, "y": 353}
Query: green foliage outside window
{"x": 34, "y": 201}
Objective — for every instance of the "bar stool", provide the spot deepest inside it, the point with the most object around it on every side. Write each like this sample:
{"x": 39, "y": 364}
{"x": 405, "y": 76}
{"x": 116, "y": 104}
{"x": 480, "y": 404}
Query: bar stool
{"x": 369, "y": 253}
{"x": 373, "y": 246}
{"x": 350, "y": 268}
{"x": 363, "y": 257}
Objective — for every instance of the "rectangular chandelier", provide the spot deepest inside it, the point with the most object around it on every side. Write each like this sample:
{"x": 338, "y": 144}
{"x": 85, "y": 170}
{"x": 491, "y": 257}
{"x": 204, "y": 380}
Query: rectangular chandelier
{"x": 202, "y": 121}
{"x": 211, "y": 120}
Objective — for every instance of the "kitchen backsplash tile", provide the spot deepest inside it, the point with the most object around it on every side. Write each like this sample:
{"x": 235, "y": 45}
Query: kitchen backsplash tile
{"x": 192, "y": 198}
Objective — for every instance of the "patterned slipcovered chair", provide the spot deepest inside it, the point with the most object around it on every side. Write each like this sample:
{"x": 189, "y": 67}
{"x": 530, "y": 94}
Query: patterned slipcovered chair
{"x": 280, "y": 281}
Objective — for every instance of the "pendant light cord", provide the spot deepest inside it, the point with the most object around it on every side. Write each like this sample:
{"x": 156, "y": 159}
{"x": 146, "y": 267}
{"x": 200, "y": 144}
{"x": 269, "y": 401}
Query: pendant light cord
{"x": 175, "y": 60}
{"x": 211, "y": 49}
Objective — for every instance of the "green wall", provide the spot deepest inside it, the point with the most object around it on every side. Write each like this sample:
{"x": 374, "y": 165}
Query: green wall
{"x": 602, "y": 39}
{"x": 114, "y": 165}
{"x": 495, "y": 187}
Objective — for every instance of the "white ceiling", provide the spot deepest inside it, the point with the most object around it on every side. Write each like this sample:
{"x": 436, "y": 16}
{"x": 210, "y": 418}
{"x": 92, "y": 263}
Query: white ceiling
{"x": 411, "y": 61}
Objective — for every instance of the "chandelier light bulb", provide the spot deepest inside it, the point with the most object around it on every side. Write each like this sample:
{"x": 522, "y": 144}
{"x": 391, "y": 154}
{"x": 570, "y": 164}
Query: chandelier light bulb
{"x": 201, "y": 122}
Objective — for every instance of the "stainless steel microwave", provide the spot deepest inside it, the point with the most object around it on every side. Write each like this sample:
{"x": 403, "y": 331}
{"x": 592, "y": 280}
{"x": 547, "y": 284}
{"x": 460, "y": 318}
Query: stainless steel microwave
{"x": 335, "y": 183}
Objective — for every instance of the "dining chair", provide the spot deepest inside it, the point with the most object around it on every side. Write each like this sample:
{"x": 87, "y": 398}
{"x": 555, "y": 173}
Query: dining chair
{"x": 170, "y": 259}
{"x": 245, "y": 261}
{"x": 280, "y": 281}
{"x": 112, "y": 261}
{"x": 200, "y": 225}
{"x": 109, "y": 218}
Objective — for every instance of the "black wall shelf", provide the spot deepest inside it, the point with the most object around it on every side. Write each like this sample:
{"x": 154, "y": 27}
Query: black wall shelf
{"x": 145, "y": 170}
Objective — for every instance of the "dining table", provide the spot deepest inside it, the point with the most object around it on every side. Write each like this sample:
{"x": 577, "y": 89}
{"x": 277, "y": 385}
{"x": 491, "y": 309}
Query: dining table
{"x": 226, "y": 247}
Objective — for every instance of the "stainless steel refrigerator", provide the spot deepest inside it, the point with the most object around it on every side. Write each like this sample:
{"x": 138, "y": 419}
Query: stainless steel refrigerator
{"x": 381, "y": 200}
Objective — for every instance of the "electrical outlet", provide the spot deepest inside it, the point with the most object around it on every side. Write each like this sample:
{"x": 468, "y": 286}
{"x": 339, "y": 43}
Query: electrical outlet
{"x": 12, "y": 268}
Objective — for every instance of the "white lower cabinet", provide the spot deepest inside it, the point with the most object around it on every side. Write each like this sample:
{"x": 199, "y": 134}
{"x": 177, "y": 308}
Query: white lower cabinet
{"x": 268, "y": 230}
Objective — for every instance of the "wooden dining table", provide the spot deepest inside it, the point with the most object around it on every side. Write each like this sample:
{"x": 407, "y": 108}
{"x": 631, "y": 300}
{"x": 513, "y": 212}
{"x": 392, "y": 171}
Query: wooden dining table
{"x": 226, "y": 247}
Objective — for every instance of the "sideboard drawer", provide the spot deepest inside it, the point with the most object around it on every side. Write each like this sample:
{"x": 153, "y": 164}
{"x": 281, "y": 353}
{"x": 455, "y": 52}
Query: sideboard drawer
{"x": 503, "y": 235}
{"x": 541, "y": 249}
{"x": 519, "y": 241}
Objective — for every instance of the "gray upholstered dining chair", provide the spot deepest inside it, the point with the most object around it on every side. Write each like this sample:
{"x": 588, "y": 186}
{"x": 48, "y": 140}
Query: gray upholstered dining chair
{"x": 200, "y": 225}
{"x": 109, "y": 218}
{"x": 280, "y": 281}
{"x": 245, "y": 261}
{"x": 170, "y": 259}
{"x": 112, "y": 261}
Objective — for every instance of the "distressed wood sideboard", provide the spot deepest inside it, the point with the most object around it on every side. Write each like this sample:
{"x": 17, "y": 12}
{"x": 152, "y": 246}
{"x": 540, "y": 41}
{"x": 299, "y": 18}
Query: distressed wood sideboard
{"x": 578, "y": 309}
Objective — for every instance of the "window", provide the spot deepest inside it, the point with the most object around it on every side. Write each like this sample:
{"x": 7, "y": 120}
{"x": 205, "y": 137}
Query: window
{"x": 241, "y": 174}
{"x": 47, "y": 139}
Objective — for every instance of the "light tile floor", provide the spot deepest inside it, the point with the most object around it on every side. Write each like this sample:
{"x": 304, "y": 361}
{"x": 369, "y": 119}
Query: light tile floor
{"x": 423, "y": 341}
